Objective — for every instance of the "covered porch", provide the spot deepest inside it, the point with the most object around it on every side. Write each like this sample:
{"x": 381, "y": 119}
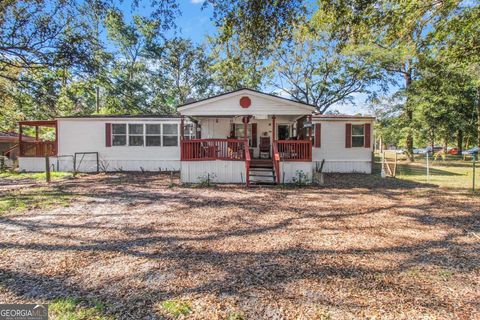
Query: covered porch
{"x": 244, "y": 135}
{"x": 261, "y": 142}
{"x": 229, "y": 137}
{"x": 41, "y": 146}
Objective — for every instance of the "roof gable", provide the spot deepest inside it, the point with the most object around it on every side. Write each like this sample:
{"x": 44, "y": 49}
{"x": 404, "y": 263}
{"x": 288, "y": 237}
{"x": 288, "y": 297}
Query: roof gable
{"x": 260, "y": 104}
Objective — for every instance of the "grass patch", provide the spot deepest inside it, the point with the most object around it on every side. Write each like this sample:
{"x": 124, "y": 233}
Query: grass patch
{"x": 176, "y": 308}
{"x": 20, "y": 200}
{"x": 75, "y": 309}
{"x": 54, "y": 175}
{"x": 452, "y": 173}
{"x": 454, "y": 176}
{"x": 235, "y": 316}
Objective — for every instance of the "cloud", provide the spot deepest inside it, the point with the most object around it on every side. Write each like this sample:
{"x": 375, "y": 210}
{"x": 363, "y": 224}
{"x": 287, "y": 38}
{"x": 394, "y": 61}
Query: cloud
{"x": 197, "y": 1}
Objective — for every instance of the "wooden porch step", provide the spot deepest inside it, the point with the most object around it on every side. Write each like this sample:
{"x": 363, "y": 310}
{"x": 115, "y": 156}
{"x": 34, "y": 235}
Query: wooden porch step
{"x": 261, "y": 164}
{"x": 263, "y": 183}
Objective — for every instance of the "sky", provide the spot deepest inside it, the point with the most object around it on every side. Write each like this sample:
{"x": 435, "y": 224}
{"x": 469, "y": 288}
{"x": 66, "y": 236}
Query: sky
{"x": 195, "y": 24}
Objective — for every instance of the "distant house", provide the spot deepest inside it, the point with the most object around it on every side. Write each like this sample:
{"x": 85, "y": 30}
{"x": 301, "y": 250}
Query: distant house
{"x": 243, "y": 136}
{"x": 9, "y": 144}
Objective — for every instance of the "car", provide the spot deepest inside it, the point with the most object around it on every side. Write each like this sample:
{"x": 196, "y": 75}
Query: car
{"x": 471, "y": 151}
{"x": 421, "y": 151}
{"x": 452, "y": 151}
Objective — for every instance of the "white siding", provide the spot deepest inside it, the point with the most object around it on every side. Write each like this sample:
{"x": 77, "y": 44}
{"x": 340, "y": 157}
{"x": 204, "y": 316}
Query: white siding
{"x": 291, "y": 170}
{"x": 332, "y": 149}
{"x": 261, "y": 104}
{"x": 88, "y": 135}
{"x": 219, "y": 171}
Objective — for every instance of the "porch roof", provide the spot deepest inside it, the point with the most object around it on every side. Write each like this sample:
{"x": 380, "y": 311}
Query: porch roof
{"x": 245, "y": 102}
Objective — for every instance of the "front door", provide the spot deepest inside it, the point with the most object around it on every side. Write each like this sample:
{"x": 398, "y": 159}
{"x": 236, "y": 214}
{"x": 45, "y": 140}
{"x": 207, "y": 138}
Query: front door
{"x": 283, "y": 132}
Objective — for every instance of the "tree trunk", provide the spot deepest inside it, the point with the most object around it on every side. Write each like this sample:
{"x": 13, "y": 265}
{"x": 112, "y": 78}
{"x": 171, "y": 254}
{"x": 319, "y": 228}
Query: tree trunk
{"x": 459, "y": 141}
{"x": 432, "y": 137}
{"x": 409, "y": 114}
{"x": 478, "y": 117}
{"x": 445, "y": 143}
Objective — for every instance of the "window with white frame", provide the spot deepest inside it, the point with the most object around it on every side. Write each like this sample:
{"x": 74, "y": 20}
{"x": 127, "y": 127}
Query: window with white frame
{"x": 119, "y": 134}
{"x": 135, "y": 134}
{"x": 153, "y": 135}
{"x": 170, "y": 134}
{"x": 358, "y": 135}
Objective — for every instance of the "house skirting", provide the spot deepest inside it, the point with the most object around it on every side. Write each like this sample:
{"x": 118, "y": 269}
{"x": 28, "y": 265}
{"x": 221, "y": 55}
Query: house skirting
{"x": 218, "y": 171}
{"x": 89, "y": 164}
{"x": 345, "y": 166}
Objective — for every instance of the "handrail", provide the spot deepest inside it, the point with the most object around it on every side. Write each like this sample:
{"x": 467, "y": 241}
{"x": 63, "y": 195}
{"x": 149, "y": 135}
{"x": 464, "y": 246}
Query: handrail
{"x": 247, "y": 162}
{"x": 9, "y": 150}
{"x": 295, "y": 150}
{"x": 212, "y": 149}
{"x": 276, "y": 161}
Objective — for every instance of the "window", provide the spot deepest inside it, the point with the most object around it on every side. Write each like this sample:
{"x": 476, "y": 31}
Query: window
{"x": 239, "y": 129}
{"x": 170, "y": 135}
{"x": 119, "y": 134}
{"x": 189, "y": 131}
{"x": 153, "y": 135}
{"x": 358, "y": 135}
{"x": 135, "y": 134}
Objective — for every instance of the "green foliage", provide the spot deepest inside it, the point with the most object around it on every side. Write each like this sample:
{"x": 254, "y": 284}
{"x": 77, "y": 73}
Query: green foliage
{"x": 16, "y": 201}
{"x": 235, "y": 316}
{"x": 55, "y": 55}
{"x": 74, "y": 309}
{"x": 176, "y": 308}
{"x": 311, "y": 69}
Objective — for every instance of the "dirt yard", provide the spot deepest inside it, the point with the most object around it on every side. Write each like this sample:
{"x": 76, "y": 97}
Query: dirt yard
{"x": 360, "y": 247}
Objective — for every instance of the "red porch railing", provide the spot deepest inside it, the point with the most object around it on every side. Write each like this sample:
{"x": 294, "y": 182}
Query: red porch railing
{"x": 294, "y": 150}
{"x": 213, "y": 149}
{"x": 37, "y": 148}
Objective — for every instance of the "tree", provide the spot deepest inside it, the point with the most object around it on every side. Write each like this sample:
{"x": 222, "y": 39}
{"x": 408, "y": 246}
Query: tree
{"x": 182, "y": 73}
{"x": 445, "y": 99}
{"x": 249, "y": 33}
{"x": 458, "y": 45}
{"x": 311, "y": 70}
{"x": 392, "y": 33}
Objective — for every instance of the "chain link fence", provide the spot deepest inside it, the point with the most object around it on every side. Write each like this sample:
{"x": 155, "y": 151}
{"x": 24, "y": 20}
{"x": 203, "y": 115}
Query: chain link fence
{"x": 443, "y": 170}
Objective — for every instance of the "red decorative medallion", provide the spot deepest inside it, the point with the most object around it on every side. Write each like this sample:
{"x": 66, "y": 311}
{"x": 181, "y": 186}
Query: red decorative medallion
{"x": 245, "y": 102}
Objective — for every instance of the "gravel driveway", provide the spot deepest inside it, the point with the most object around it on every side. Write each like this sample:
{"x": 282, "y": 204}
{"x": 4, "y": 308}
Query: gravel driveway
{"x": 360, "y": 247}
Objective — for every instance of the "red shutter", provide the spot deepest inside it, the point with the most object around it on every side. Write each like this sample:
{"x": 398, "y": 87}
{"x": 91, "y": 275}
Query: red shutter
{"x": 232, "y": 131}
{"x": 108, "y": 134}
{"x": 348, "y": 135}
{"x": 318, "y": 135}
{"x": 254, "y": 135}
{"x": 368, "y": 134}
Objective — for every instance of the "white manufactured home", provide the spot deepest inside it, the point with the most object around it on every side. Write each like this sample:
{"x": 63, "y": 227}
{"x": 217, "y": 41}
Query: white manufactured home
{"x": 243, "y": 136}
